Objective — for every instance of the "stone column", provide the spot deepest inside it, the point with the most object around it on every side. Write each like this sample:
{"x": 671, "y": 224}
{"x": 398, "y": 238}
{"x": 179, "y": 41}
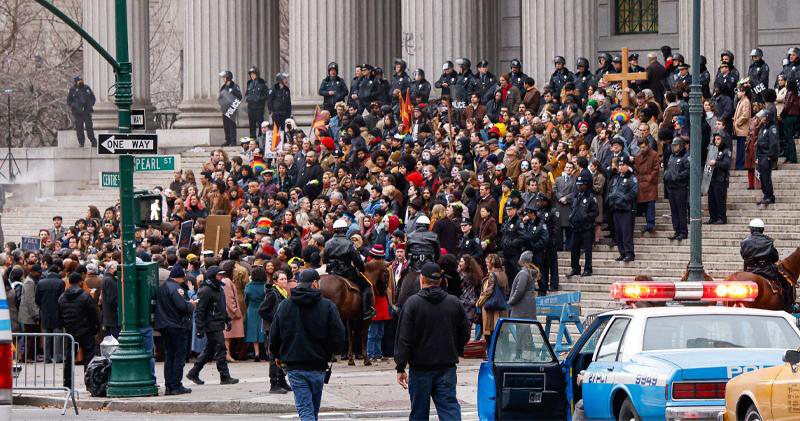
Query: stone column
{"x": 438, "y": 30}
{"x": 319, "y": 32}
{"x": 717, "y": 20}
{"x": 378, "y": 41}
{"x": 563, "y": 28}
{"x": 98, "y": 19}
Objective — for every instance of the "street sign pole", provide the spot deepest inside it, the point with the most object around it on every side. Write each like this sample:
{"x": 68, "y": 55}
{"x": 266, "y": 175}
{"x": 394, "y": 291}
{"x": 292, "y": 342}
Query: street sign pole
{"x": 695, "y": 268}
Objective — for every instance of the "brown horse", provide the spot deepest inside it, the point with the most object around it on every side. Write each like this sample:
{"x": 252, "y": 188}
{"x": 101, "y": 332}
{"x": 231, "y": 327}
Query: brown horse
{"x": 348, "y": 302}
{"x": 770, "y": 294}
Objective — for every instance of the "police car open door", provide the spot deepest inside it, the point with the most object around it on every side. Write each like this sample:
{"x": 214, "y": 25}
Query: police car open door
{"x": 522, "y": 380}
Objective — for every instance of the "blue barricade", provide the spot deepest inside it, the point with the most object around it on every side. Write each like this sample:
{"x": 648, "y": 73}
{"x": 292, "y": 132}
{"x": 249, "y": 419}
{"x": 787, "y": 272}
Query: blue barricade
{"x": 563, "y": 308}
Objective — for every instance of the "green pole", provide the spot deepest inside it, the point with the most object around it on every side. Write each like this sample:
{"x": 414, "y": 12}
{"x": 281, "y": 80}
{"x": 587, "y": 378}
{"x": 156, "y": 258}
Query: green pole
{"x": 695, "y": 110}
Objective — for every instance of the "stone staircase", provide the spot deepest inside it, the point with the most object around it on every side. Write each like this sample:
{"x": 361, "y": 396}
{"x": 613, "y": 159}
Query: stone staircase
{"x": 26, "y": 218}
{"x": 666, "y": 260}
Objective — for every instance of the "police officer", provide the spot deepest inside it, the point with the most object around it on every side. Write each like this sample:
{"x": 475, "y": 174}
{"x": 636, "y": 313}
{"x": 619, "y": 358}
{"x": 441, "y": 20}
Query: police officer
{"x": 622, "y": 193}
{"x": 791, "y": 68}
{"x": 582, "y": 215}
{"x": 367, "y": 89}
{"x": 381, "y": 87}
{"x": 760, "y": 257}
{"x": 726, "y": 56}
{"x": 400, "y": 81}
{"x": 547, "y": 261}
{"x": 758, "y": 72}
{"x": 705, "y": 77}
{"x": 342, "y": 259}
{"x": 80, "y": 100}
{"x": 469, "y": 244}
{"x": 485, "y": 82}
{"x": 511, "y": 239}
{"x": 583, "y": 76}
{"x": 256, "y": 96}
{"x": 229, "y": 88}
{"x": 633, "y": 63}
{"x": 420, "y": 88}
{"x": 676, "y": 180}
{"x": 447, "y": 79}
{"x": 767, "y": 150}
{"x": 603, "y": 66}
{"x": 720, "y": 176}
{"x": 517, "y": 76}
{"x": 726, "y": 79}
{"x": 672, "y": 72}
{"x": 466, "y": 82}
{"x": 560, "y": 76}
{"x": 332, "y": 89}
{"x": 422, "y": 245}
{"x": 279, "y": 100}
{"x": 355, "y": 85}
{"x": 683, "y": 76}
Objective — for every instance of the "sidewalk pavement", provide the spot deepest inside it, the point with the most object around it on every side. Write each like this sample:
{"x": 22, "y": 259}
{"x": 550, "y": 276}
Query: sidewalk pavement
{"x": 350, "y": 388}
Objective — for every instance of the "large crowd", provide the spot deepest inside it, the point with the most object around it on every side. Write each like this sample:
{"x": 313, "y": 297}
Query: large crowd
{"x": 504, "y": 170}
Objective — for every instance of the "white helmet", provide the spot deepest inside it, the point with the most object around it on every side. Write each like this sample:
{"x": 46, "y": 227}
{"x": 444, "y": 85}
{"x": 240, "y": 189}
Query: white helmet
{"x": 756, "y": 223}
{"x": 340, "y": 224}
{"x": 423, "y": 220}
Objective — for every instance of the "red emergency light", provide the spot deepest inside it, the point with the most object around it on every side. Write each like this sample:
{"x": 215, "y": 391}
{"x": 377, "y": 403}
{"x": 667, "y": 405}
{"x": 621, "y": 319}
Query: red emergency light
{"x": 684, "y": 291}
{"x": 730, "y": 291}
{"x": 643, "y": 291}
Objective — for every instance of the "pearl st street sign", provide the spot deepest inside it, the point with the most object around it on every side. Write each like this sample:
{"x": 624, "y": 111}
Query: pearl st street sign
{"x": 156, "y": 163}
{"x": 127, "y": 144}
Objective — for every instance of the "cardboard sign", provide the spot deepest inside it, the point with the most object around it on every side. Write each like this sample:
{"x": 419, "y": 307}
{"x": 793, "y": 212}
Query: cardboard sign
{"x": 708, "y": 170}
{"x": 30, "y": 243}
{"x": 185, "y": 236}
{"x": 218, "y": 233}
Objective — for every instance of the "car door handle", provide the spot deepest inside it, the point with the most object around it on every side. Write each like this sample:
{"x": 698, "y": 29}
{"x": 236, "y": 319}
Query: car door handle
{"x": 610, "y": 368}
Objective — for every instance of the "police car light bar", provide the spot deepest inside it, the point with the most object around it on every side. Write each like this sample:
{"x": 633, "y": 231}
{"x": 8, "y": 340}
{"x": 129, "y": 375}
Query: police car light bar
{"x": 684, "y": 291}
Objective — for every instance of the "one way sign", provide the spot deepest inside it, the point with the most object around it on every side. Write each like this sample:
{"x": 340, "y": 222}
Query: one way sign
{"x": 127, "y": 144}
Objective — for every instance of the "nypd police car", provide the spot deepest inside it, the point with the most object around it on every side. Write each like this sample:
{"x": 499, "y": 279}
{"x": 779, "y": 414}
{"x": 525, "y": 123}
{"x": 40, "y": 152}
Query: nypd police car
{"x": 651, "y": 363}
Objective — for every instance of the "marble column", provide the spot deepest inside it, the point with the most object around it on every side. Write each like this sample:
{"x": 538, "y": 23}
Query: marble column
{"x": 319, "y": 32}
{"x": 98, "y": 19}
{"x": 563, "y": 28}
{"x": 434, "y": 31}
{"x": 378, "y": 41}
{"x": 725, "y": 25}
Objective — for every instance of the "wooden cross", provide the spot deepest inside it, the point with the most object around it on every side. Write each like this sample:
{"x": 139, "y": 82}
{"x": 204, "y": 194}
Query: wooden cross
{"x": 625, "y": 77}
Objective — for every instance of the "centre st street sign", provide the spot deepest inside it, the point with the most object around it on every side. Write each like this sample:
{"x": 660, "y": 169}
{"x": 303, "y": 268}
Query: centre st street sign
{"x": 109, "y": 179}
{"x": 127, "y": 144}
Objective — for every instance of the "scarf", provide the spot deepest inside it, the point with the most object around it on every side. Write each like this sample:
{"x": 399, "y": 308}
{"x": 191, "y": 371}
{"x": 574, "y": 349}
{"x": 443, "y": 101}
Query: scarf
{"x": 281, "y": 291}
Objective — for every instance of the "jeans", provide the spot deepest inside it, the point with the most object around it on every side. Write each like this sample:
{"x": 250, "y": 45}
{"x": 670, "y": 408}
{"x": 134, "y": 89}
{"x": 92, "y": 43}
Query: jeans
{"x": 740, "y": 147}
{"x": 307, "y": 389}
{"x": 439, "y": 385}
{"x": 374, "y": 339}
{"x": 649, "y": 214}
{"x": 148, "y": 345}
{"x": 176, "y": 342}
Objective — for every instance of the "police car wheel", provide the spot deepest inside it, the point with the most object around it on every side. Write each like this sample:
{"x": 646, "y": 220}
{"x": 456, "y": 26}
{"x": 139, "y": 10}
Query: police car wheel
{"x": 628, "y": 412}
{"x": 752, "y": 414}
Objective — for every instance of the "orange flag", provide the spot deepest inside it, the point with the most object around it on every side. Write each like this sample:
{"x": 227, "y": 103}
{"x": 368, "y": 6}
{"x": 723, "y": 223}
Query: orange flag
{"x": 405, "y": 113}
{"x": 318, "y": 122}
{"x": 276, "y": 136}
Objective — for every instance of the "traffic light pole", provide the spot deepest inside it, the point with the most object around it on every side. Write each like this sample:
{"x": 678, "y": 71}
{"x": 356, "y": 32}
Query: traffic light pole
{"x": 130, "y": 364}
{"x": 695, "y": 268}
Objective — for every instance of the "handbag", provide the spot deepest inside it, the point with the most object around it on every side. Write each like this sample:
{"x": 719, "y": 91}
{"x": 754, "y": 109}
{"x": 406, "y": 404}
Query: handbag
{"x": 497, "y": 302}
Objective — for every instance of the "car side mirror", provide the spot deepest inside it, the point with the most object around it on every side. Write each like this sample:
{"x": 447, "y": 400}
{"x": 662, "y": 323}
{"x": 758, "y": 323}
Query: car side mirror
{"x": 791, "y": 356}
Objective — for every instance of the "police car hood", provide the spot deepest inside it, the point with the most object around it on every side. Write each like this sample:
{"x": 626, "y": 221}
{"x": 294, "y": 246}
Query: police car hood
{"x": 715, "y": 363}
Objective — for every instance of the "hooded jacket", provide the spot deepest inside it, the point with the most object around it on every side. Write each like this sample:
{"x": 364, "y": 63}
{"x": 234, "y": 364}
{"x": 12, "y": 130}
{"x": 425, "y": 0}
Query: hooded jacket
{"x": 78, "y": 312}
{"x": 306, "y": 331}
{"x": 722, "y": 165}
{"x": 211, "y": 313}
{"x": 432, "y": 330}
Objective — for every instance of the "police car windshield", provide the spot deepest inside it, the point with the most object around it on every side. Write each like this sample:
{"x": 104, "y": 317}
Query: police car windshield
{"x": 718, "y": 331}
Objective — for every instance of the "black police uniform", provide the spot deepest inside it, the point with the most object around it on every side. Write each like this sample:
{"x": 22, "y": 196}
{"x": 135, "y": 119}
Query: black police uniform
{"x": 728, "y": 81}
{"x": 718, "y": 189}
{"x": 758, "y": 72}
{"x": 511, "y": 243}
{"x": 537, "y": 239}
{"x": 760, "y": 257}
{"x": 622, "y": 193}
{"x": 256, "y": 96}
{"x": 355, "y": 85}
{"x": 402, "y": 82}
{"x": 582, "y": 81}
{"x": 449, "y": 78}
{"x": 470, "y": 244}
{"x": 549, "y": 261}
{"x": 422, "y": 246}
{"x": 81, "y": 101}
{"x": 336, "y": 85}
{"x": 791, "y": 71}
{"x": 468, "y": 84}
{"x": 367, "y": 92}
{"x": 485, "y": 85}
{"x": 229, "y": 123}
{"x": 279, "y": 104}
{"x": 518, "y": 80}
{"x": 767, "y": 150}
{"x": 420, "y": 88}
{"x": 558, "y": 79}
{"x": 341, "y": 258}
{"x": 676, "y": 179}
{"x": 582, "y": 216}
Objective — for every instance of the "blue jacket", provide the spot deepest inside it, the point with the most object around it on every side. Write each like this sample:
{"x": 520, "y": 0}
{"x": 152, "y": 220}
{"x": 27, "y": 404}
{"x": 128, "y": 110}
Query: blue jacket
{"x": 173, "y": 310}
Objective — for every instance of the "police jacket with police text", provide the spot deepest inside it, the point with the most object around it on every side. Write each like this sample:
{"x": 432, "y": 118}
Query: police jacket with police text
{"x": 341, "y": 256}
{"x": 279, "y": 99}
{"x": 622, "y": 191}
{"x": 768, "y": 144}
{"x": 256, "y": 93}
{"x": 758, "y": 250}
{"x": 339, "y": 88}
{"x": 584, "y": 211}
{"x": 676, "y": 175}
{"x": 80, "y": 99}
{"x": 211, "y": 313}
{"x": 423, "y": 243}
{"x": 759, "y": 76}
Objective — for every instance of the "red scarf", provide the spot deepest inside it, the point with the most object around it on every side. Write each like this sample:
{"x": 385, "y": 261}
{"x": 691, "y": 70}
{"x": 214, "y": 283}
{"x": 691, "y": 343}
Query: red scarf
{"x": 505, "y": 91}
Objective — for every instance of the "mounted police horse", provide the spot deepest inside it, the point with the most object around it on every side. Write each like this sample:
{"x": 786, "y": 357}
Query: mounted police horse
{"x": 347, "y": 298}
{"x": 770, "y": 292}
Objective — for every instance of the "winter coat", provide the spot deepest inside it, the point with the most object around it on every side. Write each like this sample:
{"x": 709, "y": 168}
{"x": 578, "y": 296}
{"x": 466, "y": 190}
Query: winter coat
{"x": 173, "y": 309}
{"x": 432, "y": 330}
{"x": 584, "y": 211}
{"x": 256, "y": 93}
{"x": 722, "y": 164}
{"x": 741, "y": 118}
{"x": 279, "y": 99}
{"x": 339, "y": 88}
{"x": 367, "y": 92}
{"x": 448, "y": 232}
{"x": 210, "y": 312}
{"x": 532, "y": 100}
{"x": 564, "y": 187}
{"x": 768, "y": 144}
{"x": 523, "y": 294}
{"x": 449, "y": 78}
{"x": 513, "y": 98}
{"x": 402, "y": 83}
{"x": 421, "y": 88}
{"x": 758, "y": 72}
{"x": 485, "y": 84}
{"x": 485, "y": 202}
{"x": 306, "y": 331}
{"x": 558, "y": 79}
{"x": 622, "y": 192}
{"x": 648, "y": 165}
{"x": 80, "y": 99}
{"x": 676, "y": 174}
{"x": 656, "y": 73}
{"x": 48, "y": 290}
{"x": 490, "y": 317}
{"x": 254, "y": 293}
{"x": 110, "y": 301}
{"x": 487, "y": 230}
{"x": 28, "y": 310}
{"x": 78, "y": 313}
{"x": 233, "y": 309}
{"x": 598, "y": 189}
{"x": 272, "y": 298}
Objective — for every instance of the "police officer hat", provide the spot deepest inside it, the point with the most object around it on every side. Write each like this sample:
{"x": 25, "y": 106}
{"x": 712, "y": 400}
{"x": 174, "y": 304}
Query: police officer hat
{"x": 625, "y": 160}
{"x": 633, "y": 56}
{"x": 379, "y": 70}
{"x": 583, "y": 179}
{"x": 483, "y": 63}
{"x": 466, "y": 221}
{"x": 516, "y": 63}
{"x": 617, "y": 139}
{"x": 617, "y": 59}
{"x": 447, "y": 65}
{"x": 464, "y": 62}
{"x": 333, "y": 65}
{"x": 401, "y": 62}
{"x": 559, "y": 59}
{"x": 253, "y": 69}
{"x": 226, "y": 74}
{"x": 683, "y": 66}
{"x": 582, "y": 61}
{"x": 756, "y": 52}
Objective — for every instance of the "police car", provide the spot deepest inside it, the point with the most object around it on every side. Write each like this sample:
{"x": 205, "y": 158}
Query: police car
{"x": 6, "y": 377}
{"x": 655, "y": 363}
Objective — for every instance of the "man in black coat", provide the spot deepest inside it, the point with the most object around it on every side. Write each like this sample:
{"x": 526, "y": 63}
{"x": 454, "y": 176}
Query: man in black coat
{"x": 48, "y": 290}
{"x": 582, "y": 215}
{"x": 622, "y": 193}
{"x": 676, "y": 180}
{"x": 469, "y": 243}
{"x": 447, "y": 79}
{"x": 400, "y": 81}
{"x": 210, "y": 319}
{"x": 305, "y": 333}
{"x": 758, "y": 72}
{"x": 368, "y": 88}
{"x": 560, "y": 76}
{"x": 173, "y": 319}
{"x": 310, "y": 176}
{"x": 230, "y": 99}
{"x": 110, "y": 300}
{"x": 539, "y": 239}
{"x": 656, "y": 73}
{"x": 279, "y": 100}
{"x": 485, "y": 82}
{"x": 432, "y": 330}
{"x": 332, "y": 89}
{"x": 767, "y": 150}
{"x": 81, "y": 102}
{"x": 78, "y": 312}
{"x": 256, "y": 96}
{"x": 511, "y": 239}
{"x": 421, "y": 88}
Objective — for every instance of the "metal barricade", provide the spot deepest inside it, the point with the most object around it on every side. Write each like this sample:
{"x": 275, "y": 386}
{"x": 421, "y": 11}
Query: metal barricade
{"x": 45, "y": 361}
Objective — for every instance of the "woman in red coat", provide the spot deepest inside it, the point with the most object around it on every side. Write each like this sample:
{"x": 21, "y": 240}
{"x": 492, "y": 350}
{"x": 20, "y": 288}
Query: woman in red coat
{"x": 382, "y": 302}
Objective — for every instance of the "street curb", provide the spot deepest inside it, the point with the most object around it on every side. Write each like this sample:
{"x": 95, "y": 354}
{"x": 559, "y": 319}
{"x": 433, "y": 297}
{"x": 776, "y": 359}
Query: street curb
{"x": 167, "y": 407}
